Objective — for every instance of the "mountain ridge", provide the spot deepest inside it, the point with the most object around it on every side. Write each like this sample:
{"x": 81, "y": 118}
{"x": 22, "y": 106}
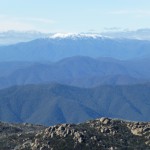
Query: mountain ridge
{"x": 54, "y": 103}
{"x": 56, "y": 49}
{"x": 81, "y": 71}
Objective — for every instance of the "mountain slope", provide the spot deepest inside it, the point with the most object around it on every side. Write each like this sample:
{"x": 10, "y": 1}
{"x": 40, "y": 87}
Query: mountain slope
{"x": 51, "y": 103}
{"x": 55, "y": 103}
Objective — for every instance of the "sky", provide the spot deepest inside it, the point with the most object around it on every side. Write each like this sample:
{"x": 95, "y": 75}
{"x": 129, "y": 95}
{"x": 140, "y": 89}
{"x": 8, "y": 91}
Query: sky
{"x": 74, "y": 15}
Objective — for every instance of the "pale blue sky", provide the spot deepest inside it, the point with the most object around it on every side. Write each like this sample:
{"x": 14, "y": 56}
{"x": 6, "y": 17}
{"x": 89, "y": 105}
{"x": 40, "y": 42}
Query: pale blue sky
{"x": 74, "y": 16}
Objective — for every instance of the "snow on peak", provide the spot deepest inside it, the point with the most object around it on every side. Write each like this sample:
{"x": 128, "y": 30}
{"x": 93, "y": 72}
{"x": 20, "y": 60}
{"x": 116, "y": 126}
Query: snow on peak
{"x": 75, "y": 35}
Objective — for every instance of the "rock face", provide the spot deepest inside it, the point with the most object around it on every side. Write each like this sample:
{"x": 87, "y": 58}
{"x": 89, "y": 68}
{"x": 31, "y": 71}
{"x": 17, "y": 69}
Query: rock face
{"x": 103, "y": 133}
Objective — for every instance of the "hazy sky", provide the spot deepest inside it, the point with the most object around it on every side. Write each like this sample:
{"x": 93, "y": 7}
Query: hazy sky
{"x": 74, "y": 15}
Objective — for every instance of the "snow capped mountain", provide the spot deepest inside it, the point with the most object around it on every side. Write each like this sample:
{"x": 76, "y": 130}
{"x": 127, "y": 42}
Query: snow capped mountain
{"x": 13, "y": 37}
{"x": 75, "y": 35}
{"x": 141, "y": 34}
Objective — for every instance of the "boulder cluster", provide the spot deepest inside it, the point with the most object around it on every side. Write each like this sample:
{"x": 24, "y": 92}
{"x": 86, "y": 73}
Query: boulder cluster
{"x": 103, "y": 133}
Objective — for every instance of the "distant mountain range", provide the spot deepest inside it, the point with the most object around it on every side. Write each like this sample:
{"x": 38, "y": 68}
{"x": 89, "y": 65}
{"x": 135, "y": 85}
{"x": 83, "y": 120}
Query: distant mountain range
{"x": 12, "y": 37}
{"x": 57, "y": 48}
{"x": 55, "y": 103}
{"x": 75, "y": 77}
{"x": 78, "y": 71}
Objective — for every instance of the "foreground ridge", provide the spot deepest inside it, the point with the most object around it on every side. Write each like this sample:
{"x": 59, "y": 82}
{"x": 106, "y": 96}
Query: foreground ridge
{"x": 102, "y": 133}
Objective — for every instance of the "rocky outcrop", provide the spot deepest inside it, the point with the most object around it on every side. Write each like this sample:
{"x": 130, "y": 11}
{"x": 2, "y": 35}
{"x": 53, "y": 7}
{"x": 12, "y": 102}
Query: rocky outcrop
{"x": 103, "y": 133}
{"x": 14, "y": 136}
